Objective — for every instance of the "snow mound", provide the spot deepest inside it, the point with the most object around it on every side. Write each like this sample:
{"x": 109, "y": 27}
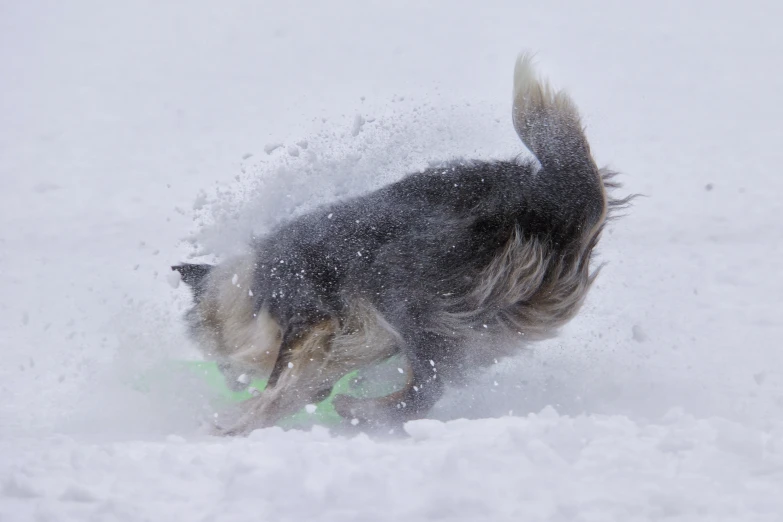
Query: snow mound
{"x": 541, "y": 467}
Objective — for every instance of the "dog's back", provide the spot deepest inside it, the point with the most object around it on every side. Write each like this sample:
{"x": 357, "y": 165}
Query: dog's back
{"x": 418, "y": 266}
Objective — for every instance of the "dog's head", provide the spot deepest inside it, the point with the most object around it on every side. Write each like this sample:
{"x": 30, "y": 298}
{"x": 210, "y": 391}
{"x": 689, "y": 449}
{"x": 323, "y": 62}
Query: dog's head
{"x": 230, "y": 328}
{"x": 194, "y": 275}
{"x": 224, "y": 323}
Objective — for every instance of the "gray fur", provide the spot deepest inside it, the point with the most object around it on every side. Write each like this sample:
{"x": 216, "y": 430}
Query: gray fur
{"x": 416, "y": 268}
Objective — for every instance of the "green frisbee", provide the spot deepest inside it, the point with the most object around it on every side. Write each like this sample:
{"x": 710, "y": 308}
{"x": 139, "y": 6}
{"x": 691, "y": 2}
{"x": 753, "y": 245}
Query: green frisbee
{"x": 376, "y": 381}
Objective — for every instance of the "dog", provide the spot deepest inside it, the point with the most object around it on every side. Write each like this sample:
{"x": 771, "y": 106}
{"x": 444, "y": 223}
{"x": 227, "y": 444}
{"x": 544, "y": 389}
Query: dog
{"x": 416, "y": 269}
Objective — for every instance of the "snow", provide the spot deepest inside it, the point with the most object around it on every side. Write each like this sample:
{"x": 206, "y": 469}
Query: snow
{"x": 174, "y": 278}
{"x": 131, "y": 138}
{"x": 539, "y": 467}
{"x": 269, "y": 148}
{"x": 358, "y": 123}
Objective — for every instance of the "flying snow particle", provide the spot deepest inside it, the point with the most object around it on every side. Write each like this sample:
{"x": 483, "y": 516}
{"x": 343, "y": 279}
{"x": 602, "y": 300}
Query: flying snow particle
{"x": 310, "y": 408}
{"x": 234, "y": 279}
{"x": 290, "y": 365}
{"x": 354, "y": 422}
{"x": 244, "y": 379}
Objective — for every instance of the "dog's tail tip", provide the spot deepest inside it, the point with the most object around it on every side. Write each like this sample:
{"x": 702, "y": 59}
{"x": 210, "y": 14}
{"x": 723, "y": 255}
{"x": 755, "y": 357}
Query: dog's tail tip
{"x": 524, "y": 73}
{"x": 546, "y": 120}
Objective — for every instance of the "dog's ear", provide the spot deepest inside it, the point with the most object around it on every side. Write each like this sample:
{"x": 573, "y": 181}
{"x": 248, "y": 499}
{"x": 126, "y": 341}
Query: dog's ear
{"x": 193, "y": 275}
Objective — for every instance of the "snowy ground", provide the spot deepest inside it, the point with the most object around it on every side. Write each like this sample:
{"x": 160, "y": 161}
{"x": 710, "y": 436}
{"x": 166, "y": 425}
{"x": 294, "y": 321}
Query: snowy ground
{"x": 135, "y": 134}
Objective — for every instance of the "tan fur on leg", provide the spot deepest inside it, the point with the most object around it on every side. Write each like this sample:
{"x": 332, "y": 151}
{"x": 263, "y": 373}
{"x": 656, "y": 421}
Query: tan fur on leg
{"x": 317, "y": 360}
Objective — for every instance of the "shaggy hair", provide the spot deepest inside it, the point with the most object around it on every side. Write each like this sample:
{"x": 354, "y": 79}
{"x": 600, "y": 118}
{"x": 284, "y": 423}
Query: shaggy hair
{"x": 413, "y": 269}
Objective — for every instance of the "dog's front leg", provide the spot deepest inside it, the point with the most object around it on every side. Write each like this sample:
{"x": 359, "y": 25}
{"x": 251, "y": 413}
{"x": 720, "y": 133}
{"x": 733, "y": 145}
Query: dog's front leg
{"x": 303, "y": 374}
{"x": 262, "y": 411}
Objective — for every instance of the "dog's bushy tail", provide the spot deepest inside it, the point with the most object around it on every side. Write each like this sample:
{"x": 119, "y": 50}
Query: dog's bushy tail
{"x": 547, "y": 121}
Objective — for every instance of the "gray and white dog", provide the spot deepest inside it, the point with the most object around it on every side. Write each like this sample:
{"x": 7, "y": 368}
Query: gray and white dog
{"x": 413, "y": 269}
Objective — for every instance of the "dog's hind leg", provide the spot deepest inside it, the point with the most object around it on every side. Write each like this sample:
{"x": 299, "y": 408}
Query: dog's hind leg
{"x": 422, "y": 390}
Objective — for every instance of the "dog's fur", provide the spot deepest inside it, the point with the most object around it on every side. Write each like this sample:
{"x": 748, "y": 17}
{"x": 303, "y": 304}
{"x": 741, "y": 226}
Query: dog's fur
{"x": 414, "y": 268}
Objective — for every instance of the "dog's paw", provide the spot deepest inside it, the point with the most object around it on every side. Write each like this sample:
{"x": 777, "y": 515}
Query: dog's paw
{"x": 210, "y": 426}
{"x": 347, "y": 407}
{"x": 217, "y": 431}
{"x": 369, "y": 416}
{"x": 232, "y": 430}
{"x": 360, "y": 412}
